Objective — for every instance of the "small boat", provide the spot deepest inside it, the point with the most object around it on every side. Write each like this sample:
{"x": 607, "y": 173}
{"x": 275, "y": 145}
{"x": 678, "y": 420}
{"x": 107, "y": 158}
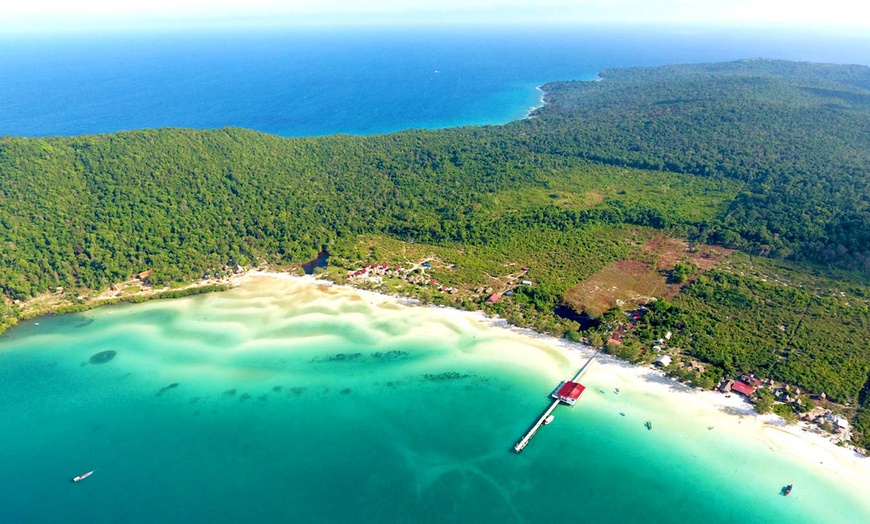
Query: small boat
{"x": 83, "y": 476}
{"x": 548, "y": 419}
{"x": 622, "y": 413}
{"x": 786, "y": 490}
{"x": 616, "y": 391}
{"x": 648, "y": 424}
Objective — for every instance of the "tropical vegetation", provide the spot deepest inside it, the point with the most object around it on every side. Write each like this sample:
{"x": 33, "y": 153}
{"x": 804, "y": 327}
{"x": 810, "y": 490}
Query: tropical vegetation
{"x": 768, "y": 158}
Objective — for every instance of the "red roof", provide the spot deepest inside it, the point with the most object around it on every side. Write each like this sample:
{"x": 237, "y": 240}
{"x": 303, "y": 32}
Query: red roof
{"x": 571, "y": 390}
{"x": 493, "y": 298}
{"x": 742, "y": 387}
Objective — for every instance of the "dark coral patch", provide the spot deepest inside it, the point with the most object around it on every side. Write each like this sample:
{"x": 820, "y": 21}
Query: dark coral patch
{"x": 167, "y": 388}
{"x": 102, "y": 357}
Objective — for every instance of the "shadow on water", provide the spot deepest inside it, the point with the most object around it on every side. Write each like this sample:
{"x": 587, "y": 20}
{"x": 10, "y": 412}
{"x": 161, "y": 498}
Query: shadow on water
{"x": 320, "y": 261}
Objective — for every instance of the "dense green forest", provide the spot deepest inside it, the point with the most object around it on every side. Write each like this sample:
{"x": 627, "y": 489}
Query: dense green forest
{"x": 767, "y": 157}
{"x": 794, "y": 134}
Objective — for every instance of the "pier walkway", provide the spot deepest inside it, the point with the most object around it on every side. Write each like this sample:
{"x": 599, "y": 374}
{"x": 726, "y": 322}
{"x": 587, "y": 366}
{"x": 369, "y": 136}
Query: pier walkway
{"x": 523, "y": 442}
{"x": 586, "y": 365}
{"x": 535, "y": 427}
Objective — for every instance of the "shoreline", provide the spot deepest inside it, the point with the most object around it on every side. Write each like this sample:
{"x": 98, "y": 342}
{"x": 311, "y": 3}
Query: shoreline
{"x": 541, "y": 103}
{"x": 799, "y": 442}
{"x": 684, "y": 411}
{"x": 815, "y": 446}
{"x": 689, "y": 419}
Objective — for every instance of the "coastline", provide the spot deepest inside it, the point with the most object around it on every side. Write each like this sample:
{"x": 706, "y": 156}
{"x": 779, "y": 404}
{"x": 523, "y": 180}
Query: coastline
{"x": 541, "y": 103}
{"x": 682, "y": 410}
{"x": 705, "y": 409}
{"x": 253, "y": 351}
{"x": 734, "y": 404}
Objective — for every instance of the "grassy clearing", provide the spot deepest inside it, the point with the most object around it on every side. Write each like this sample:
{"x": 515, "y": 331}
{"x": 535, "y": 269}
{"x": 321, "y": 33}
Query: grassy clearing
{"x": 624, "y": 283}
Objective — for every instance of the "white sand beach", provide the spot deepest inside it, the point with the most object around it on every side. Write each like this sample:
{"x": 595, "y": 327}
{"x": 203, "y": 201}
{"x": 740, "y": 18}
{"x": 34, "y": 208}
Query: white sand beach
{"x": 693, "y": 414}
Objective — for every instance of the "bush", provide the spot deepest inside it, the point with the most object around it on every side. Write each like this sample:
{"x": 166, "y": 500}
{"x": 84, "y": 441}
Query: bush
{"x": 764, "y": 400}
{"x": 787, "y": 412}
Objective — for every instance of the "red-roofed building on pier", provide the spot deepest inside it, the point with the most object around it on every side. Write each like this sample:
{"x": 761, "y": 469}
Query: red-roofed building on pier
{"x": 568, "y": 392}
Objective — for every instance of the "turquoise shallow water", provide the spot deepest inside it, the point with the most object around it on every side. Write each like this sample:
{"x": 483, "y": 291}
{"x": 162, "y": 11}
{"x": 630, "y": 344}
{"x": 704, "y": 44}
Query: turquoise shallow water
{"x": 285, "y": 402}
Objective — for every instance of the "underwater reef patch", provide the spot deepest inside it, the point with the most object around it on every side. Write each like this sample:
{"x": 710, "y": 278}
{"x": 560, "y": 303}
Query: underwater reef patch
{"x": 164, "y": 389}
{"x": 102, "y": 357}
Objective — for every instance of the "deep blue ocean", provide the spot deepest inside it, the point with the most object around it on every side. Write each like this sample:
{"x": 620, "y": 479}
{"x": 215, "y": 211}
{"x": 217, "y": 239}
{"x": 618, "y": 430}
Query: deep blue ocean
{"x": 307, "y": 82}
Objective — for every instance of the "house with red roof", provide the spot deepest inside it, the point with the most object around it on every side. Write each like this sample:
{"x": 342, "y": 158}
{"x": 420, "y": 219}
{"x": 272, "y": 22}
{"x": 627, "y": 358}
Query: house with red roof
{"x": 742, "y": 388}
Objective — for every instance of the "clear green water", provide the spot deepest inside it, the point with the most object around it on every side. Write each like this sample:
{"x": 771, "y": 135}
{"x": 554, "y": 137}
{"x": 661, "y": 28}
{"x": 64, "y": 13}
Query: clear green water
{"x": 299, "y": 404}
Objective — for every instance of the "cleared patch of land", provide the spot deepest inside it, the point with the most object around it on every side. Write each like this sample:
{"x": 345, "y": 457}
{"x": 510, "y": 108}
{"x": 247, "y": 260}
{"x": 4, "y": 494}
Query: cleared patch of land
{"x": 669, "y": 251}
{"x": 630, "y": 282}
{"x": 622, "y": 283}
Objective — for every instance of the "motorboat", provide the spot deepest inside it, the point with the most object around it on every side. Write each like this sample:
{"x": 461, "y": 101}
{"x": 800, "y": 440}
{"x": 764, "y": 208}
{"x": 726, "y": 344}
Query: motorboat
{"x": 83, "y": 476}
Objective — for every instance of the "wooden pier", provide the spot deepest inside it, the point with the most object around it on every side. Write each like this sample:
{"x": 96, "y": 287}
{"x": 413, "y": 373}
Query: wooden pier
{"x": 523, "y": 442}
{"x": 535, "y": 427}
{"x": 586, "y": 365}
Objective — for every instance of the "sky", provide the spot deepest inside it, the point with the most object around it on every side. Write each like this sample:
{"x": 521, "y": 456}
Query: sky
{"x": 87, "y": 15}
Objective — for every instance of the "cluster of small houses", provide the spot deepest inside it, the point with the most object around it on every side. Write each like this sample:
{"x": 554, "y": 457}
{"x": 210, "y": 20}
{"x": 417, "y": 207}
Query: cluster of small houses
{"x": 746, "y": 385}
{"x": 495, "y": 297}
{"x": 376, "y": 271}
{"x": 821, "y": 417}
{"x": 632, "y": 319}
{"x": 227, "y": 271}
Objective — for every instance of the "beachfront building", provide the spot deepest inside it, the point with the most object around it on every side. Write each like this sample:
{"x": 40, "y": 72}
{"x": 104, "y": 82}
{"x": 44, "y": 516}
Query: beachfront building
{"x": 742, "y": 388}
{"x": 663, "y": 361}
{"x": 841, "y": 426}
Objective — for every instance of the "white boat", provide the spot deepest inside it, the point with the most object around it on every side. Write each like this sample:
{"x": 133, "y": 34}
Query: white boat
{"x": 548, "y": 419}
{"x": 83, "y": 476}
